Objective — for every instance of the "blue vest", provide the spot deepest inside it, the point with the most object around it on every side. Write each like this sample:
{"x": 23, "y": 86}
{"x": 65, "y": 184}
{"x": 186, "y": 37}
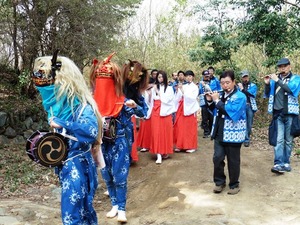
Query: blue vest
{"x": 252, "y": 89}
{"x": 293, "y": 104}
{"x": 234, "y": 130}
{"x": 201, "y": 96}
{"x": 214, "y": 85}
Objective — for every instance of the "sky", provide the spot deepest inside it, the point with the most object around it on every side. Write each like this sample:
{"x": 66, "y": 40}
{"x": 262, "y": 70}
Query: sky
{"x": 154, "y": 8}
{"x": 193, "y": 24}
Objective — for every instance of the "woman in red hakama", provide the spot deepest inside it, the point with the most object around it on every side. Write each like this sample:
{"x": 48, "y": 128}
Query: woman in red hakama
{"x": 144, "y": 134}
{"x": 185, "y": 126}
{"x": 161, "y": 118}
{"x": 134, "y": 153}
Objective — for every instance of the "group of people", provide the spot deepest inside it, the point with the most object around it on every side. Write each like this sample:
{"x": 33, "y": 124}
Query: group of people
{"x": 100, "y": 116}
{"x": 233, "y": 107}
{"x": 171, "y": 121}
{"x": 227, "y": 110}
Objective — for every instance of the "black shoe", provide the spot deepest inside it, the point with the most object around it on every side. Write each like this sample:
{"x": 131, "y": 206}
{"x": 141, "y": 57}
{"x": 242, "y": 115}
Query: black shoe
{"x": 277, "y": 169}
{"x": 246, "y": 144}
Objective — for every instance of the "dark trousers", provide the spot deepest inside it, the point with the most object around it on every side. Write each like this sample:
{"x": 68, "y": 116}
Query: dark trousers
{"x": 232, "y": 152}
{"x": 207, "y": 120}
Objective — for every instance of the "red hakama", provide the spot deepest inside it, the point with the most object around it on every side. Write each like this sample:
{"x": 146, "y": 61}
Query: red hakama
{"x": 144, "y": 135}
{"x": 185, "y": 130}
{"x": 134, "y": 153}
{"x": 161, "y": 131}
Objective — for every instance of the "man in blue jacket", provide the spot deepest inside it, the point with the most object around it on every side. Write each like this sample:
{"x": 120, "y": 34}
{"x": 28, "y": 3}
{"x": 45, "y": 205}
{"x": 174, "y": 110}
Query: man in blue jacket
{"x": 228, "y": 131}
{"x": 282, "y": 90}
{"x": 250, "y": 90}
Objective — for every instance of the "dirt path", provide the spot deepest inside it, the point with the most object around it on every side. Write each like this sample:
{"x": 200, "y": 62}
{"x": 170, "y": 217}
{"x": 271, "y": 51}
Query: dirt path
{"x": 179, "y": 191}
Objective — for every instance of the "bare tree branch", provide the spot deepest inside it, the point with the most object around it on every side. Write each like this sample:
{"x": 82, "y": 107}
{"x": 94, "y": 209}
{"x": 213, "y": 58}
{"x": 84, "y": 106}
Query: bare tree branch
{"x": 292, "y": 4}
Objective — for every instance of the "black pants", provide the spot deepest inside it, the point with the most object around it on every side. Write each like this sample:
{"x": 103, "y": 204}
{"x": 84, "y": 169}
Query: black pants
{"x": 207, "y": 120}
{"x": 232, "y": 152}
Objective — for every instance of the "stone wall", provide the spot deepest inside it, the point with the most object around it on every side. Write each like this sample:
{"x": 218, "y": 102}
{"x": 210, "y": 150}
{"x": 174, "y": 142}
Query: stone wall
{"x": 17, "y": 126}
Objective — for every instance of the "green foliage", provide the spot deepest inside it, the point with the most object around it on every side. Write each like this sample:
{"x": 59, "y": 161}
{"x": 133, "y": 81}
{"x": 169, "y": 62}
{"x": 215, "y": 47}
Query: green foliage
{"x": 218, "y": 42}
{"x": 271, "y": 24}
{"x": 160, "y": 45}
{"x": 80, "y": 29}
{"x": 214, "y": 47}
{"x": 24, "y": 80}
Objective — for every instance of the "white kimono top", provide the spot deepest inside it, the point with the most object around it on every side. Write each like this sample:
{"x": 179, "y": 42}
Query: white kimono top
{"x": 167, "y": 100}
{"x": 190, "y": 103}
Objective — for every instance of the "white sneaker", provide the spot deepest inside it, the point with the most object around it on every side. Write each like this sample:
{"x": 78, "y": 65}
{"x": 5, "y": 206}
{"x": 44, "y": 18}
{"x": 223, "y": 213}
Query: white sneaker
{"x": 143, "y": 150}
{"x": 113, "y": 212}
{"x": 190, "y": 150}
{"x": 176, "y": 150}
{"x": 159, "y": 159}
{"x": 122, "y": 216}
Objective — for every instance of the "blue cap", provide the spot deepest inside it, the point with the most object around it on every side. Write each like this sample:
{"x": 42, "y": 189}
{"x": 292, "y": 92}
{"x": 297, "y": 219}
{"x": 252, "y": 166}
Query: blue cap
{"x": 244, "y": 73}
{"x": 283, "y": 61}
{"x": 205, "y": 73}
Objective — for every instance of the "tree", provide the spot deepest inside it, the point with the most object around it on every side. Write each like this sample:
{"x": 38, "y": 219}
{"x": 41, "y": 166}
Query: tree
{"x": 80, "y": 29}
{"x": 218, "y": 42}
{"x": 156, "y": 39}
{"x": 271, "y": 24}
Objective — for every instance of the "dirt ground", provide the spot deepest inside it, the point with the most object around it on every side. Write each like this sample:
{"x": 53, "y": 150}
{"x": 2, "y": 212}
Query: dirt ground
{"x": 179, "y": 191}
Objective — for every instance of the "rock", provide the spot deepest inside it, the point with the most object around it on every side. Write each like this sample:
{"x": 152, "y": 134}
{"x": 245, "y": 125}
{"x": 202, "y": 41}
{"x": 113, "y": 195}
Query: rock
{"x": 10, "y": 132}
{"x": 2, "y": 212}
{"x": 36, "y": 126}
{"x": 3, "y": 118}
{"x": 19, "y": 139}
{"x": 8, "y": 220}
{"x": 3, "y": 141}
{"x": 2, "y": 130}
{"x": 45, "y": 125}
{"x": 28, "y": 133}
{"x": 25, "y": 214}
{"x": 28, "y": 122}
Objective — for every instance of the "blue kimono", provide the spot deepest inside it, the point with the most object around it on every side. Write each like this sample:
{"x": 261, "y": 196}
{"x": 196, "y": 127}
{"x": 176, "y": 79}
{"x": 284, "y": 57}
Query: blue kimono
{"x": 214, "y": 85}
{"x": 234, "y": 115}
{"x": 78, "y": 174}
{"x": 252, "y": 90}
{"x": 117, "y": 155}
{"x": 293, "y": 105}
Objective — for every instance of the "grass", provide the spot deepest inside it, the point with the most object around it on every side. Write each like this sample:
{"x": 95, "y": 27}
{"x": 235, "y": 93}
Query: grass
{"x": 18, "y": 171}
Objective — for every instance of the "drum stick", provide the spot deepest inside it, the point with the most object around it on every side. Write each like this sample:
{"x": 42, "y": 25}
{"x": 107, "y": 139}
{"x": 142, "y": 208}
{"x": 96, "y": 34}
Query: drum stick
{"x": 64, "y": 133}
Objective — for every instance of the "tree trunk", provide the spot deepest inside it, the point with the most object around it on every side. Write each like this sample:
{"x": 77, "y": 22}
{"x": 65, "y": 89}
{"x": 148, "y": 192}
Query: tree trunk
{"x": 14, "y": 37}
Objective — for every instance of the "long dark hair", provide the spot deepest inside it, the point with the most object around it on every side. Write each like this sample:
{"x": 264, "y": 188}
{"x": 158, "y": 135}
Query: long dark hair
{"x": 165, "y": 79}
{"x": 136, "y": 80}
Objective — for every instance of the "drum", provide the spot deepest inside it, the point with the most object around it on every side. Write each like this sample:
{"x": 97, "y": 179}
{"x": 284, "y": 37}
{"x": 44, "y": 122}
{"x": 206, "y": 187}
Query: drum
{"x": 109, "y": 129}
{"x": 47, "y": 148}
